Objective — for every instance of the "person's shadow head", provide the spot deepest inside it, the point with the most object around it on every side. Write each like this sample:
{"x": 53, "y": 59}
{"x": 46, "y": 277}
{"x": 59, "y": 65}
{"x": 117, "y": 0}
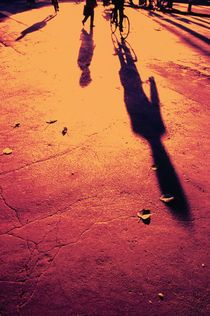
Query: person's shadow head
{"x": 85, "y": 56}
{"x": 35, "y": 27}
{"x": 146, "y": 121}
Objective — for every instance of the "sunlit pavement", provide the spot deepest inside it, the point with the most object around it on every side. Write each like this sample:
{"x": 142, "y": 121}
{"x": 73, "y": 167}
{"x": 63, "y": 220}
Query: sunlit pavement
{"x": 95, "y": 131}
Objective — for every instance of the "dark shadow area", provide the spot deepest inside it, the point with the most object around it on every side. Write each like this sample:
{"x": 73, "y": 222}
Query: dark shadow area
{"x": 188, "y": 21}
{"x": 35, "y": 27}
{"x": 203, "y": 21}
{"x": 177, "y": 33}
{"x": 107, "y": 14}
{"x": 146, "y": 122}
{"x": 85, "y": 56}
{"x": 17, "y": 6}
{"x": 200, "y": 36}
{"x": 186, "y": 13}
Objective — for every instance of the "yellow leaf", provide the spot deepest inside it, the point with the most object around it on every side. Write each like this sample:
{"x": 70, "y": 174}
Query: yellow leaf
{"x": 167, "y": 198}
{"x": 7, "y": 151}
{"x": 161, "y": 296}
{"x": 154, "y": 167}
{"x": 145, "y": 216}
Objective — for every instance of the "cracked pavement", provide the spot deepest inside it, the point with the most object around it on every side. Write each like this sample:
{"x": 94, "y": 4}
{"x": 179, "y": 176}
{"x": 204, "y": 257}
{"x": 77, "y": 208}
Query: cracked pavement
{"x": 71, "y": 241}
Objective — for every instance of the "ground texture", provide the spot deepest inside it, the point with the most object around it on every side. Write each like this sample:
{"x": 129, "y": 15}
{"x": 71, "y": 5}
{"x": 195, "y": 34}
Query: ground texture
{"x": 94, "y": 132}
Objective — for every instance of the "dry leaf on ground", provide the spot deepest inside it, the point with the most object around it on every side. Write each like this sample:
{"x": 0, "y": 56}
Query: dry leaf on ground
{"x": 7, "y": 151}
{"x": 161, "y": 296}
{"x": 51, "y": 122}
{"x": 167, "y": 198}
{"x": 64, "y": 131}
{"x": 154, "y": 167}
{"x": 145, "y": 216}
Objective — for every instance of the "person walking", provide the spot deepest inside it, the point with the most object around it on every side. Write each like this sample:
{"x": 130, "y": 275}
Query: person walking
{"x": 89, "y": 11}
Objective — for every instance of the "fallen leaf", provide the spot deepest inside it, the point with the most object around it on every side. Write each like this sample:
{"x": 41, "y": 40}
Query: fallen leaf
{"x": 64, "y": 131}
{"x": 144, "y": 215}
{"x": 51, "y": 122}
{"x": 154, "y": 167}
{"x": 7, "y": 151}
{"x": 161, "y": 296}
{"x": 167, "y": 198}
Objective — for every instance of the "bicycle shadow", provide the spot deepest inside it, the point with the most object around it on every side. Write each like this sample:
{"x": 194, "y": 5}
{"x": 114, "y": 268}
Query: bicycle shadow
{"x": 35, "y": 27}
{"x": 146, "y": 122}
{"x": 85, "y": 56}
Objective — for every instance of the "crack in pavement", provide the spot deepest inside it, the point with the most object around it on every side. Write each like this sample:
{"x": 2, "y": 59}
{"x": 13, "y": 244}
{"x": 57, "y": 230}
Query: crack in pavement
{"x": 9, "y": 232}
{"x": 88, "y": 230}
{"x": 24, "y": 303}
{"x": 30, "y": 266}
{"x": 56, "y": 155}
{"x": 38, "y": 161}
{"x": 10, "y": 207}
{"x": 59, "y": 211}
{"x": 56, "y": 212}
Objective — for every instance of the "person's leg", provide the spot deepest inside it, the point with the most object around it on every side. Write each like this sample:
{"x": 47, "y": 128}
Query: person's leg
{"x": 85, "y": 18}
{"x": 92, "y": 18}
{"x": 115, "y": 15}
{"x": 57, "y": 6}
{"x": 121, "y": 18}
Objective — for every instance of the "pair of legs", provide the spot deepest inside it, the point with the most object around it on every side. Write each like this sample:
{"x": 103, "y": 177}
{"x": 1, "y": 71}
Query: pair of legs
{"x": 91, "y": 14}
{"x": 55, "y": 4}
{"x": 120, "y": 10}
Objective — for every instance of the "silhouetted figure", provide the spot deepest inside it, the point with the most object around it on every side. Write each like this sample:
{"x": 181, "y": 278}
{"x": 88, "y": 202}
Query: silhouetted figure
{"x": 118, "y": 10}
{"x": 31, "y": 3}
{"x": 189, "y": 6}
{"x": 35, "y": 27}
{"x": 147, "y": 122}
{"x": 169, "y": 4}
{"x": 85, "y": 57}
{"x": 105, "y": 3}
{"x": 55, "y": 4}
{"x": 89, "y": 11}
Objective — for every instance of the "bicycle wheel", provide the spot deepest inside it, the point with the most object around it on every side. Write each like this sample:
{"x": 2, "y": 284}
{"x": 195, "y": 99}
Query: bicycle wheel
{"x": 113, "y": 23}
{"x": 125, "y": 27}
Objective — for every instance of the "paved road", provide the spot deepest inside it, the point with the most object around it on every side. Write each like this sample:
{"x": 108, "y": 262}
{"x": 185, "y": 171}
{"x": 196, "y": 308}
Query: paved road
{"x": 136, "y": 114}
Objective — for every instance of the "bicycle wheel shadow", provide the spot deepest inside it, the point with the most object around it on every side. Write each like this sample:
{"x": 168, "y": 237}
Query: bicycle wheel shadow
{"x": 146, "y": 122}
{"x": 85, "y": 57}
{"x": 35, "y": 27}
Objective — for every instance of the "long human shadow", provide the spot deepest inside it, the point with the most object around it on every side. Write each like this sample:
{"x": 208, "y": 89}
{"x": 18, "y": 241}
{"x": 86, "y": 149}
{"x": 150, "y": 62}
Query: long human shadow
{"x": 35, "y": 27}
{"x": 146, "y": 122}
{"x": 85, "y": 56}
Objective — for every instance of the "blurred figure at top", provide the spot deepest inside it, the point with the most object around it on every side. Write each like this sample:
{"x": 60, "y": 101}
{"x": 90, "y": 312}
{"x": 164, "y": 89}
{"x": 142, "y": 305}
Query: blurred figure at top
{"x": 89, "y": 11}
